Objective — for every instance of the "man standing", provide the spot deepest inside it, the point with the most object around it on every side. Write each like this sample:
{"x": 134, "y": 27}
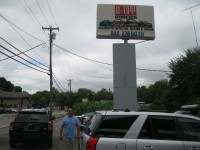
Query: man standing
{"x": 70, "y": 130}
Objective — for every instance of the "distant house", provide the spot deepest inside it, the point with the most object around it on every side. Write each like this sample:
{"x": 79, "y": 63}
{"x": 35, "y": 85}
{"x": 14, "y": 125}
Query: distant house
{"x": 17, "y": 99}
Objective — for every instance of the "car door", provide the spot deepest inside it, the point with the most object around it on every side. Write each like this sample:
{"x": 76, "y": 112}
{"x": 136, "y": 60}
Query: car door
{"x": 190, "y": 130}
{"x": 159, "y": 133}
{"x": 112, "y": 131}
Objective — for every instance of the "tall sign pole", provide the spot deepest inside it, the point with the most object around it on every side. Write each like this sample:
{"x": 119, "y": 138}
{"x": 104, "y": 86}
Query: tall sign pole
{"x": 125, "y": 22}
{"x": 51, "y": 37}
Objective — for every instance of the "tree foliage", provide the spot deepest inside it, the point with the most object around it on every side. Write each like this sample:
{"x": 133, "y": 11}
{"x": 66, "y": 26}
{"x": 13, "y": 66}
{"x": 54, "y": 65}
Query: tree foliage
{"x": 17, "y": 89}
{"x": 82, "y": 108}
{"x": 6, "y": 85}
{"x": 185, "y": 76}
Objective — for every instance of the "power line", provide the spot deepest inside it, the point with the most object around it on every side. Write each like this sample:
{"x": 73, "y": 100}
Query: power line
{"x": 54, "y": 21}
{"x": 58, "y": 83}
{"x": 20, "y": 29}
{"x": 33, "y": 18}
{"x": 190, "y": 8}
{"x": 51, "y": 13}
{"x": 22, "y": 52}
{"x": 22, "y": 37}
{"x": 153, "y": 70}
{"x": 82, "y": 56}
{"x": 24, "y": 59}
{"x": 32, "y": 13}
{"x": 106, "y": 63}
{"x": 20, "y": 61}
{"x": 42, "y": 12}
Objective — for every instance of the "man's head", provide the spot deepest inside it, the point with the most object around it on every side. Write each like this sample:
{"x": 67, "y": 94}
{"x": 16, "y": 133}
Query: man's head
{"x": 70, "y": 111}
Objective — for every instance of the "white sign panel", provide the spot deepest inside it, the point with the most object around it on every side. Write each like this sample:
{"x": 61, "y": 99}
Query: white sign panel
{"x": 125, "y": 22}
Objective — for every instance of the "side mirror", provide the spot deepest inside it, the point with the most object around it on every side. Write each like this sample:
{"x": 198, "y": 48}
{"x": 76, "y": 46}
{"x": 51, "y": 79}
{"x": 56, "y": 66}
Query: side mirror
{"x": 82, "y": 127}
{"x": 53, "y": 118}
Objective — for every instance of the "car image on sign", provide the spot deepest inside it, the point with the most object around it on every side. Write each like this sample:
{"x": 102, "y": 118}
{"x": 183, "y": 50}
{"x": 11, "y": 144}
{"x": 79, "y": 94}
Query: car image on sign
{"x": 144, "y": 24}
{"x": 119, "y": 22}
{"x": 131, "y": 23}
{"x": 105, "y": 23}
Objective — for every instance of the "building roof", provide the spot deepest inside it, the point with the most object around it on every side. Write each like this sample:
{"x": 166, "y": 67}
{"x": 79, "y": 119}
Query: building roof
{"x": 4, "y": 94}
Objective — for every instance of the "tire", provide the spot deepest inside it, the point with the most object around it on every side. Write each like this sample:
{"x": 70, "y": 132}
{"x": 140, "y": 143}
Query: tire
{"x": 12, "y": 144}
{"x": 49, "y": 144}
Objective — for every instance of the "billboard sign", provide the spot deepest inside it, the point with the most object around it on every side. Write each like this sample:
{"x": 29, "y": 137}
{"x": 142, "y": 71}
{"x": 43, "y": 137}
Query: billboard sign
{"x": 125, "y": 22}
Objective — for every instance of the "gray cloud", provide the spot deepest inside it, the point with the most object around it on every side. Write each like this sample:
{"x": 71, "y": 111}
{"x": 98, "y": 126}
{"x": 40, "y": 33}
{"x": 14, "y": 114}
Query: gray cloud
{"x": 77, "y": 23}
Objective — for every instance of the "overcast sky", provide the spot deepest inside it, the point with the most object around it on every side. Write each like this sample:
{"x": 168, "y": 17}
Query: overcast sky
{"x": 21, "y": 23}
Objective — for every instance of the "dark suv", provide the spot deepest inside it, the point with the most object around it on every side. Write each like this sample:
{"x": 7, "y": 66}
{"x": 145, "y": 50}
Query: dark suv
{"x": 31, "y": 125}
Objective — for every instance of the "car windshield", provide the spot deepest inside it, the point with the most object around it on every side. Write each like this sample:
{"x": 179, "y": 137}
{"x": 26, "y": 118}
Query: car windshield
{"x": 32, "y": 117}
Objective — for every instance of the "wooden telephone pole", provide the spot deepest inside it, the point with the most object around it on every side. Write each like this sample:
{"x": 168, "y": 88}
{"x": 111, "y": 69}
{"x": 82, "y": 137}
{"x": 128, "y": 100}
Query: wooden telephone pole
{"x": 51, "y": 38}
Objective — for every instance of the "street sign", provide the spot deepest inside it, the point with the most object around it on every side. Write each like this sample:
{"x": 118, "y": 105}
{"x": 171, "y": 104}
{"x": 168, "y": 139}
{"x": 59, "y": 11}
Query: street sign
{"x": 125, "y": 22}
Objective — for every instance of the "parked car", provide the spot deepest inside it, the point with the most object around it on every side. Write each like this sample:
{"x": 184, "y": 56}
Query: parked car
{"x": 119, "y": 22}
{"x": 7, "y": 110}
{"x": 106, "y": 23}
{"x": 131, "y": 23}
{"x": 13, "y": 110}
{"x": 141, "y": 131}
{"x": 1, "y": 110}
{"x": 144, "y": 24}
{"x": 31, "y": 125}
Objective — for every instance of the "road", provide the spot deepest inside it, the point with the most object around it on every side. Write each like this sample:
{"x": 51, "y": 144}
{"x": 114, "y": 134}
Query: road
{"x": 4, "y": 137}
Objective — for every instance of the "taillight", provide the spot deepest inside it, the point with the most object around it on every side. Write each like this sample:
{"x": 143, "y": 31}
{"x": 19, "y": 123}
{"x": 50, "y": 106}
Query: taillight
{"x": 12, "y": 125}
{"x": 91, "y": 143}
{"x": 50, "y": 126}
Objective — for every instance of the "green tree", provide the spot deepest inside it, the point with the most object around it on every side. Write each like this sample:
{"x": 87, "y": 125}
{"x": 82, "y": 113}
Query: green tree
{"x": 142, "y": 94}
{"x": 6, "y": 85}
{"x": 38, "y": 100}
{"x": 84, "y": 93}
{"x": 17, "y": 89}
{"x": 104, "y": 94}
{"x": 61, "y": 100}
{"x": 185, "y": 76}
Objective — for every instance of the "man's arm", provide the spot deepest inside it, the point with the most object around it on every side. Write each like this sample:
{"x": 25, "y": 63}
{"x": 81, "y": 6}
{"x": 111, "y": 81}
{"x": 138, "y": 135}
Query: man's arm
{"x": 78, "y": 132}
{"x": 61, "y": 132}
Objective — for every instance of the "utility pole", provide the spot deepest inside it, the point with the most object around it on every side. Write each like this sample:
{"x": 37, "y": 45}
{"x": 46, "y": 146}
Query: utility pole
{"x": 51, "y": 38}
{"x": 190, "y": 8}
{"x": 70, "y": 89}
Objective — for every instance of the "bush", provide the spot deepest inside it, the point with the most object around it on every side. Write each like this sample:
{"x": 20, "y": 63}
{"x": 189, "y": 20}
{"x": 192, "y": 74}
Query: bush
{"x": 82, "y": 108}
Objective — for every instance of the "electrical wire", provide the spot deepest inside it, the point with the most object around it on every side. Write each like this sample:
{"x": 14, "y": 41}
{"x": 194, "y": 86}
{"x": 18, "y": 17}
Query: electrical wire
{"x": 107, "y": 63}
{"x": 22, "y": 52}
{"x": 154, "y": 70}
{"x": 42, "y": 12}
{"x": 32, "y": 12}
{"x": 23, "y": 59}
{"x": 58, "y": 83}
{"x": 51, "y": 13}
{"x": 22, "y": 37}
{"x": 20, "y": 29}
{"x": 21, "y": 62}
{"x": 33, "y": 19}
{"x": 82, "y": 56}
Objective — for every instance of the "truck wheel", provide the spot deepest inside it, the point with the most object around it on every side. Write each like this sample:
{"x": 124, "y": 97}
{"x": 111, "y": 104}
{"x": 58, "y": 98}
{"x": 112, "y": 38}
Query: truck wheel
{"x": 12, "y": 144}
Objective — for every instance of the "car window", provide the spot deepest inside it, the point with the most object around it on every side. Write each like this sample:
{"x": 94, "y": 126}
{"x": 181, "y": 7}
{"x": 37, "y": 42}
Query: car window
{"x": 190, "y": 129}
{"x": 32, "y": 117}
{"x": 115, "y": 126}
{"x": 146, "y": 132}
{"x": 160, "y": 128}
{"x": 92, "y": 124}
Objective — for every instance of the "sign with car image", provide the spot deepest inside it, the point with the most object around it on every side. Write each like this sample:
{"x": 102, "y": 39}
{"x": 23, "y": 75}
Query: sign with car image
{"x": 125, "y": 22}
